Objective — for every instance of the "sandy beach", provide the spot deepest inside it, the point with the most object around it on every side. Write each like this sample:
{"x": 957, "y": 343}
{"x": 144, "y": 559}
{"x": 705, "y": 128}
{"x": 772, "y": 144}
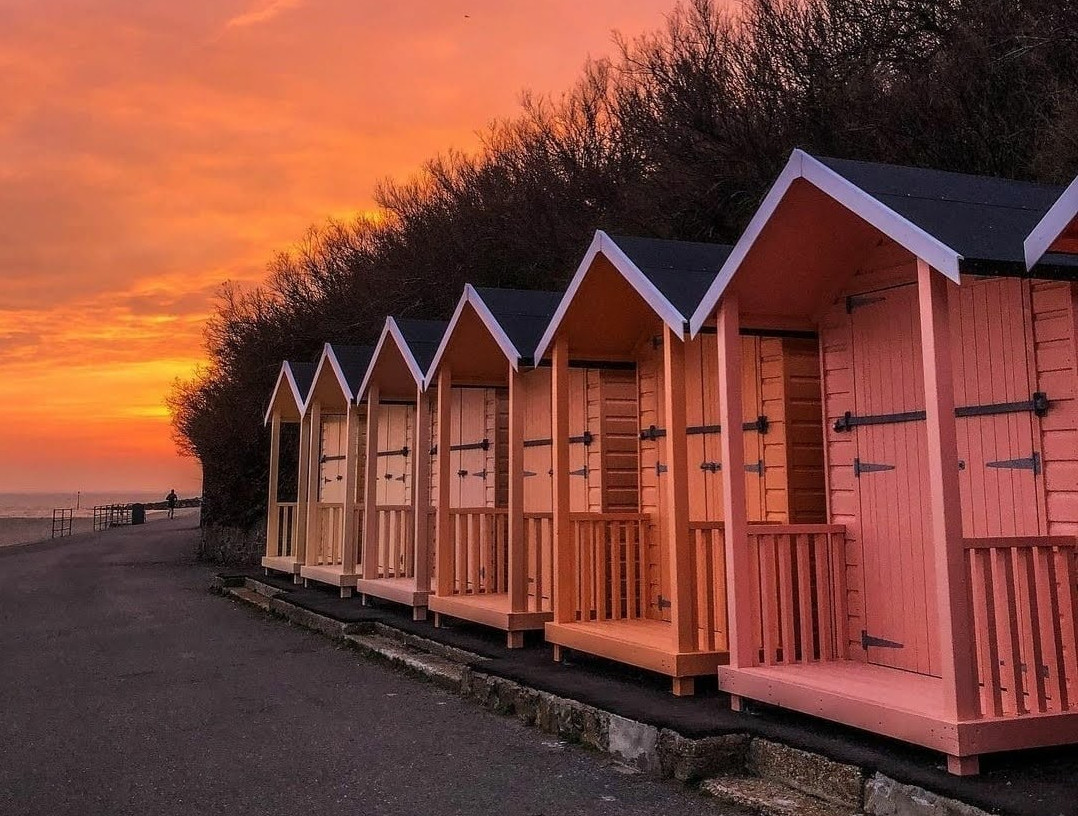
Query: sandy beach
{"x": 26, "y": 530}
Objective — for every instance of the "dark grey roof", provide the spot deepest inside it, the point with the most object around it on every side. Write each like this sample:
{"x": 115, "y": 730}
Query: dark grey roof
{"x": 354, "y": 361}
{"x": 523, "y": 314}
{"x": 980, "y": 217}
{"x": 303, "y": 374}
{"x": 423, "y": 338}
{"x": 681, "y": 270}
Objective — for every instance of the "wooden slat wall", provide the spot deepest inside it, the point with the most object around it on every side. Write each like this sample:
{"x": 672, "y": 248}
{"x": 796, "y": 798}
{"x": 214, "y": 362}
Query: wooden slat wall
{"x": 803, "y": 437}
{"x": 618, "y": 443}
{"x": 1055, "y": 338}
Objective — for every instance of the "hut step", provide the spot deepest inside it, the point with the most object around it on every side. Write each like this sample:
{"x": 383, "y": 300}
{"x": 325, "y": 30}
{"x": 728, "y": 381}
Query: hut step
{"x": 768, "y": 798}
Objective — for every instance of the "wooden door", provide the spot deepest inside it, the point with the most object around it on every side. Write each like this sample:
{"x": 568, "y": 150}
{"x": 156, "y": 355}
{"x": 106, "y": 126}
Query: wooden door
{"x": 891, "y": 468}
{"x": 472, "y": 471}
{"x": 394, "y": 465}
{"x": 331, "y": 483}
{"x": 752, "y": 407}
{"x": 998, "y": 434}
{"x": 538, "y": 474}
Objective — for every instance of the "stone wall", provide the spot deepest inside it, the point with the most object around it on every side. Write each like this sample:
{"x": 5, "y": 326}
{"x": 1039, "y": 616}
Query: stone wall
{"x": 232, "y": 546}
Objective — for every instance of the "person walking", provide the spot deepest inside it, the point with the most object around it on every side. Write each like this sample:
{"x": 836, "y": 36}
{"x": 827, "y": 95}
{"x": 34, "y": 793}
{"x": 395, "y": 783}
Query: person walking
{"x": 171, "y": 498}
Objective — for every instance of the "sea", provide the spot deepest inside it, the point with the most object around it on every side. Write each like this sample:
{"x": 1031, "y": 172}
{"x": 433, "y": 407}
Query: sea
{"x": 41, "y": 505}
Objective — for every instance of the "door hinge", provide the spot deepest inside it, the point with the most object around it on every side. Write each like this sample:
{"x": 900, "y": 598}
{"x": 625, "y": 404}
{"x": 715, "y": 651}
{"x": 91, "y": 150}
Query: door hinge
{"x": 482, "y": 474}
{"x": 652, "y": 433}
{"x": 528, "y": 473}
{"x": 581, "y": 472}
{"x": 663, "y": 603}
{"x": 584, "y": 439}
{"x": 400, "y": 452}
{"x": 660, "y": 468}
{"x": 761, "y": 425}
{"x": 860, "y": 467}
{"x": 1031, "y": 462}
{"x": 868, "y": 640}
{"x": 462, "y": 473}
{"x": 711, "y": 467}
{"x": 757, "y": 468}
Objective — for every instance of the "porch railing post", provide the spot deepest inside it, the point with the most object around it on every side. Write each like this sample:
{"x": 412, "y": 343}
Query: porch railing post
{"x": 740, "y": 594}
{"x": 421, "y": 489}
{"x": 351, "y": 476}
{"x": 518, "y": 579}
{"x": 564, "y": 566}
{"x": 303, "y": 478}
{"x": 273, "y": 519}
{"x": 314, "y": 478}
{"x": 679, "y": 552}
{"x": 370, "y": 486}
{"x": 957, "y": 653}
{"x": 444, "y": 529}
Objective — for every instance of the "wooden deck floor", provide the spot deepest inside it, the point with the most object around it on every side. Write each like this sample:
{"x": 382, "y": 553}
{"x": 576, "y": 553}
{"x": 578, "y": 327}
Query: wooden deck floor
{"x": 641, "y": 642}
{"x": 488, "y": 609}
{"x": 899, "y": 704}
{"x": 281, "y": 563}
{"x": 332, "y": 575}
{"x": 395, "y": 590}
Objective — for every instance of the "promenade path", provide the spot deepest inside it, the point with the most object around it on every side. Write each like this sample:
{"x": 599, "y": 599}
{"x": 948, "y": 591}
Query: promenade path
{"x": 126, "y": 687}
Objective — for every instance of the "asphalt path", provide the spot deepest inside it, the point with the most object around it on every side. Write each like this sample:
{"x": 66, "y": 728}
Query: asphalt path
{"x": 127, "y": 687}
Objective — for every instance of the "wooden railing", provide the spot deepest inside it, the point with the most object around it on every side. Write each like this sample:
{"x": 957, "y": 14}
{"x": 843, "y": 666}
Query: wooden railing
{"x": 709, "y": 585}
{"x": 610, "y": 554}
{"x": 396, "y": 541}
{"x": 287, "y": 530}
{"x": 798, "y": 571}
{"x": 1024, "y": 596}
{"x": 326, "y": 548}
{"x": 480, "y": 559}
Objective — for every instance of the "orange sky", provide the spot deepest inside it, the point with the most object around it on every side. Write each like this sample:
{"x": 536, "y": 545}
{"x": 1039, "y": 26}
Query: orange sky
{"x": 151, "y": 149}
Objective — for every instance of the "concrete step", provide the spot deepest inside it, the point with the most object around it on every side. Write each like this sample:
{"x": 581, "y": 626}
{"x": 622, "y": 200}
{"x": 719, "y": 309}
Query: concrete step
{"x": 437, "y": 669}
{"x": 768, "y": 798}
{"x": 251, "y": 596}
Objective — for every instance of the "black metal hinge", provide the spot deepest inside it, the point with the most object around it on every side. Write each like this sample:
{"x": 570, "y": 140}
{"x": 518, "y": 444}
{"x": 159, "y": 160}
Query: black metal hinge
{"x": 482, "y": 474}
{"x": 389, "y": 477}
{"x": 537, "y": 443}
{"x": 1038, "y": 404}
{"x": 660, "y": 468}
{"x": 848, "y": 421}
{"x": 401, "y": 452}
{"x": 325, "y": 459}
{"x": 528, "y": 473}
{"x": 1031, "y": 462}
{"x": 868, "y": 640}
{"x": 652, "y": 433}
{"x": 481, "y": 445}
{"x": 757, "y": 467}
{"x": 711, "y": 467}
{"x": 584, "y": 439}
{"x": 581, "y": 472}
{"x": 663, "y": 603}
{"x": 860, "y": 467}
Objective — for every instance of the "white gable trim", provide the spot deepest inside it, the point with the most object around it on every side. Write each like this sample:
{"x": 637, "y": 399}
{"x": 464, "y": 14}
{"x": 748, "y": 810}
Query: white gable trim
{"x": 605, "y": 245}
{"x": 1050, "y": 227}
{"x": 801, "y": 165}
{"x": 390, "y": 331}
{"x": 471, "y": 296}
{"x": 342, "y": 381}
{"x": 286, "y": 374}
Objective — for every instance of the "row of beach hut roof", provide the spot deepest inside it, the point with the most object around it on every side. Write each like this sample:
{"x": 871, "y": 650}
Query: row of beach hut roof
{"x": 835, "y": 463}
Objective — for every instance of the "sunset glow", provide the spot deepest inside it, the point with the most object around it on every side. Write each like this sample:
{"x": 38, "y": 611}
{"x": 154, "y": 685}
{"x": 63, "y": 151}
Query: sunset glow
{"x": 151, "y": 151}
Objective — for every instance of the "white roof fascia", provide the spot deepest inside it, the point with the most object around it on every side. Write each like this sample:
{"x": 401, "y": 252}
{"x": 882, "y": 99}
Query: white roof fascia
{"x": 605, "y": 245}
{"x": 1051, "y": 226}
{"x": 872, "y": 210}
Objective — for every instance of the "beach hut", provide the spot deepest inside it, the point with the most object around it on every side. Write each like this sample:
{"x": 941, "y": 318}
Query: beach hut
{"x": 397, "y": 486}
{"x": 335, "y": 480}
{"x": 285, "y": 528}
{"x": 938, "y": 604}
{"x": 639, "y": 564}
{"x": 492, "y": 563}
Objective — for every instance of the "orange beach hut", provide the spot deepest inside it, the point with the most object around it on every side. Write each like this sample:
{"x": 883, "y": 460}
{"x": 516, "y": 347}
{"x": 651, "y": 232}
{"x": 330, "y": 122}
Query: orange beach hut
{"x": 397, "y": 485}
{"x": 492, "y": 563}
{"x": 939, "y": 604}
{"x": 638, "y": 524}
{"x": 338, "y": 427}
{"x": 285, "y": 520}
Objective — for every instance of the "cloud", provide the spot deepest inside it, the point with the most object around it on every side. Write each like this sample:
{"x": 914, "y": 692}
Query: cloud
{"x": 263, "y": 13}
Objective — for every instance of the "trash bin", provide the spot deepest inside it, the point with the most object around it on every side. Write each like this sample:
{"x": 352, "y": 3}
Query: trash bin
{"x": 138, "y": 514}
